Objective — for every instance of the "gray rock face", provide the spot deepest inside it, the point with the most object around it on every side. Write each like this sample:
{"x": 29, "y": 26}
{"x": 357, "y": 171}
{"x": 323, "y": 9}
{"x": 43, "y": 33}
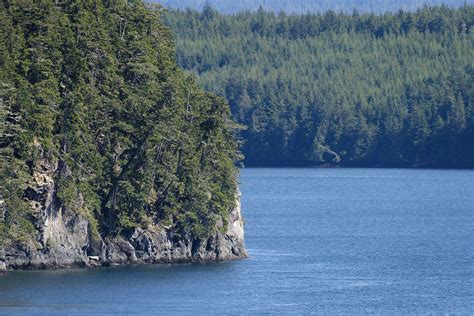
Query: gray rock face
{"x": 65, "y": 239}
{"x": 159, "y": 246}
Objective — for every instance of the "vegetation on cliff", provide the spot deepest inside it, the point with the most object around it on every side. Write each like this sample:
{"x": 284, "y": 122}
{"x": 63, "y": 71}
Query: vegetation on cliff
{"x": 90, "y": 90}
{"x": 358, "y": 89}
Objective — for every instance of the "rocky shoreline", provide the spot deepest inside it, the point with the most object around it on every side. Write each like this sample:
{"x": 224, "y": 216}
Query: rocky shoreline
{"x": 65, "y": 238}
{"x": 69, "y": 242}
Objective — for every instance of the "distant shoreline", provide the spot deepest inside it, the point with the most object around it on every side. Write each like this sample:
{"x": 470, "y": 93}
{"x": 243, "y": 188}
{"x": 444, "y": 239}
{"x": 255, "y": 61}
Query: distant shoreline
{"x": 358, "y": 166}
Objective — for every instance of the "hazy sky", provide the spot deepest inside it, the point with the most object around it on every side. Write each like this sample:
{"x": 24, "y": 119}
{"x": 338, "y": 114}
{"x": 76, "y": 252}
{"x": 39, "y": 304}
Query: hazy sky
{"x": 301, "y": 6}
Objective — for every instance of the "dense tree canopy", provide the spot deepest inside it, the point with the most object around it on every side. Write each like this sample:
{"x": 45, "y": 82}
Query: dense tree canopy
{"x": 91, "y": 90}
{"x": 357, "y": 89}
{"x": 306, "y": 6}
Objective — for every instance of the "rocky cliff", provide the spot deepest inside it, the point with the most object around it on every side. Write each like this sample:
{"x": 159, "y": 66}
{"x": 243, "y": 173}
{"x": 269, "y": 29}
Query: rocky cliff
{"x": 71, "y": 245}
{"x": 109, "y": 152}
{"x": 65, "y": 238}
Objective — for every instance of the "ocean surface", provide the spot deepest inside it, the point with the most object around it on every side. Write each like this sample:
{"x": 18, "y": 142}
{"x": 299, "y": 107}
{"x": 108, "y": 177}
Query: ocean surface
{"x": 322, "y": 241}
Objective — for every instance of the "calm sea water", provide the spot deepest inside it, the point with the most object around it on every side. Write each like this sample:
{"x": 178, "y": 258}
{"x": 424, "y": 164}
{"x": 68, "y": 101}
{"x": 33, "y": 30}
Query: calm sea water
{"x": 323, "y": 241}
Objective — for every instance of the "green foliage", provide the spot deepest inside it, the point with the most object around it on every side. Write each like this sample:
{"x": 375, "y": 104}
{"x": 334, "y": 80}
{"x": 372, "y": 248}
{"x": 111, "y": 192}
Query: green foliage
{"x": 90, "y": 90}
{"x": 360, "y": 89}
{"x": 304, "y": 6}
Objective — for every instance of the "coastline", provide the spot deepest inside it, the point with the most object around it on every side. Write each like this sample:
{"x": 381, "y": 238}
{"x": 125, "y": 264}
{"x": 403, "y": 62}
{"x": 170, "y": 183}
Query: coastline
{"x": 155, "y": 245}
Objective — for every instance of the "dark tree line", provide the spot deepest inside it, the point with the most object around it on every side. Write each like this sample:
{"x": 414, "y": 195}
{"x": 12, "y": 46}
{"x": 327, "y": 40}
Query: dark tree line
{"x": 306, "y": 6}
{"x": 353, "y": 89}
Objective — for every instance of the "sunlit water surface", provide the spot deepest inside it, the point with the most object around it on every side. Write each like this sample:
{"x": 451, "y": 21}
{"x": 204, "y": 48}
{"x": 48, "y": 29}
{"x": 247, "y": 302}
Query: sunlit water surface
{"x": 338, "y": 241}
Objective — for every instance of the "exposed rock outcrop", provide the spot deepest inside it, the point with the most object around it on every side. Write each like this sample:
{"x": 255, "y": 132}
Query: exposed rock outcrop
{"x": 71, "y": 245}
{"x": 65, "y": 239}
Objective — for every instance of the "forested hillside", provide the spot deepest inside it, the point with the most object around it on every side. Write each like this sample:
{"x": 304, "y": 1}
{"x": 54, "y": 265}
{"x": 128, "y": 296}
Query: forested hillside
{"x": 389, "y": 90}
{"x": 307, "y": 6}
{"x": 98, "y": 121}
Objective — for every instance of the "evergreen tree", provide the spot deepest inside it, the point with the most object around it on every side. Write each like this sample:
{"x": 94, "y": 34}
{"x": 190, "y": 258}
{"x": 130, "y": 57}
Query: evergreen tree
{"x": 352, "y": 89}
{"x": 90, "y": 92}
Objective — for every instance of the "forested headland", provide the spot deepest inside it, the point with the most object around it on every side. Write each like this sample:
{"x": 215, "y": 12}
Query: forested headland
{"x": 340, "y": 89}
{"x": 102, "y": 135}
